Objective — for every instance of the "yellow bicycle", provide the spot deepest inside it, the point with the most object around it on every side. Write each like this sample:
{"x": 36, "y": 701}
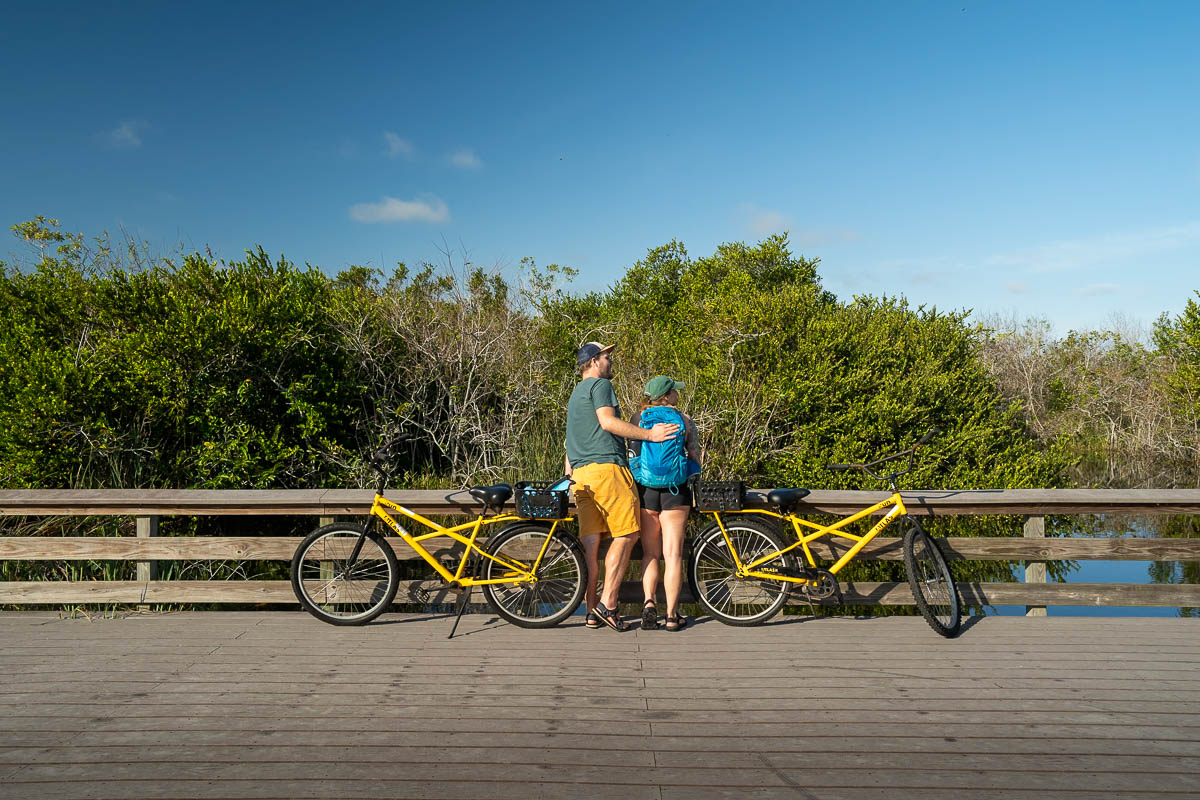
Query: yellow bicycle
{"x": 531, "y": 570}
{"x": 742, "y": 572}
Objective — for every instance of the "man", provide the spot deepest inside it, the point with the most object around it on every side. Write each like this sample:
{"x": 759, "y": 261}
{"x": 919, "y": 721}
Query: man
{"x": 605, "y": 495}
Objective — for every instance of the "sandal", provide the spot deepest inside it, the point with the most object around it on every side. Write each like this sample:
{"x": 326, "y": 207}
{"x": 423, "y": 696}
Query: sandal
{"x": 611, "y": 618}
{"x": 649, "y": 616}
{"x": 590, "y": 620}
{"x": 680, "y": 622}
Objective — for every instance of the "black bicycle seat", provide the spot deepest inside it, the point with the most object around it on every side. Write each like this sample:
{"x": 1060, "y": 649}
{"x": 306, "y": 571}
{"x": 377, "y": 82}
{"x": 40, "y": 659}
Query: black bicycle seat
{"x": 492, "y": 496}
{"x": 786, "y": 498}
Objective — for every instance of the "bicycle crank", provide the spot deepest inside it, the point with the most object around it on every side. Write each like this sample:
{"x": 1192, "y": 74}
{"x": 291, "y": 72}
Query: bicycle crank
{"x": 821, "y": 583}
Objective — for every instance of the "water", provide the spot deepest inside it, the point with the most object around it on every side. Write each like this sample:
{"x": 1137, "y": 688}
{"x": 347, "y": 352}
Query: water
{"x": 1108, "y": 572}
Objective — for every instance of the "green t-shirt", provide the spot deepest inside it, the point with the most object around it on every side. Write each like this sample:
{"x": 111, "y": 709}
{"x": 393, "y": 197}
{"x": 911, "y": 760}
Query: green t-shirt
{"x": 587, "y": 442}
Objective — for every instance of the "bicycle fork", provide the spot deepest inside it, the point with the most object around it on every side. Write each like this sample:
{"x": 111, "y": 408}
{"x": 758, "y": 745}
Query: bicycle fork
{"x": 358, "y": 546}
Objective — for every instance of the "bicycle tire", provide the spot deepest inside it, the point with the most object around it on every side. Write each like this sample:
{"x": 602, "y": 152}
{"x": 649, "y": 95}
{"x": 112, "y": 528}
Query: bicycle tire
{"x": 931, "y": 581}
{"x": 322, "y": 586}
{"x": 560, "y": 576}
{"x": 712, "y": 573}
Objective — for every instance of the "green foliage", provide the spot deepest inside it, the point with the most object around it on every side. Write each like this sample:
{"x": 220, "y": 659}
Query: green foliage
{"x": 783, "y": 378}
{"x": 123, "y": 370}
{"x": 176, "y": 375}
{"x": 1179, "y": 339}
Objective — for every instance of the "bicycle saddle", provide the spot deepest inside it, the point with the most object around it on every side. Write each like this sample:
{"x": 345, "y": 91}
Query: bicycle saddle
{"x": 786, "y": 498}
{"x": 492, "y": 496}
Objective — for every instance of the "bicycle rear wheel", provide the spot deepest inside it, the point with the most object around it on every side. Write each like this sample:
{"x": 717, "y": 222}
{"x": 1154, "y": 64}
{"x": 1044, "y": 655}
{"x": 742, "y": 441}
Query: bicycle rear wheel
{"x": 931, "y": 582}
{"x": 335, "y": 592}
{"x": 712, "y": 572}
{"x": 555, "y": 594}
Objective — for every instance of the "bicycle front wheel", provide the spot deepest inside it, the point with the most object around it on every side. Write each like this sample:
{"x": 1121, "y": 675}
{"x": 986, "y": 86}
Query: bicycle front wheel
{"x": 559, "y": 578}
{"x": 332, "y": 589}
{"x": 932, "y": 584}
{"x": 712, "y": 572}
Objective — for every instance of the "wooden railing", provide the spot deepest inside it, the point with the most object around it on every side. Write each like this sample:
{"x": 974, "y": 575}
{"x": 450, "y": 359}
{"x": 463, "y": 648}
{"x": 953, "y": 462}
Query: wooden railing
{"x": 146, "y": 548}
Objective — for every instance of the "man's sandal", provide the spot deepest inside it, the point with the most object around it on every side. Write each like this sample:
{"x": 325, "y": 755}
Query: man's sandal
{"x": 611, "y": 618}
{"x": 592, "y": 621}
{"x": 680, "y": 622}
{"x": 649, "y": 616}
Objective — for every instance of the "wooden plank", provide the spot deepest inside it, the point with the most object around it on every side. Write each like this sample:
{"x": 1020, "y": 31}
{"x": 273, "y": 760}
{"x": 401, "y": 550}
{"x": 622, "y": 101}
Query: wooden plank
{"x": 861, "y": 740}
{"x": 451, "y": 785}
{"x": 855, "y": 594}
{"x": 23, "y": 592}
{"x": 177, "y": 548}
{"x": 328, "y": 502}
{"x": 581, "y": 777}
{"x": 281, "y": 548}
{"x": 217, "y": 502}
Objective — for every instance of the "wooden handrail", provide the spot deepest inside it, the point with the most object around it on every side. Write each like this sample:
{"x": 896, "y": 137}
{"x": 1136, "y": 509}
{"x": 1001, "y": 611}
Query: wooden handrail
{"x": 329, "y": 502}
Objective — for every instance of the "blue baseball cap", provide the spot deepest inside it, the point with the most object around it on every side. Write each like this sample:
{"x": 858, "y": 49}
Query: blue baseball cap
{"x": 590, "y": 351}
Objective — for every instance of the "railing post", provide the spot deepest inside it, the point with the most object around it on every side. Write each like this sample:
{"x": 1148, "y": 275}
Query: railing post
{"x": 146, "y": 570}
{"x": 326, "y": 566}
{"x": 1035, "y": 571}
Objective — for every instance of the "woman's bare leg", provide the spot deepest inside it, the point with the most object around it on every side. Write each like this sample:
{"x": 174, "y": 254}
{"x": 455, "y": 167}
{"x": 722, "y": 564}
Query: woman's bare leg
{"x": 673, "y": 526}
{"x": 651, "y": 552}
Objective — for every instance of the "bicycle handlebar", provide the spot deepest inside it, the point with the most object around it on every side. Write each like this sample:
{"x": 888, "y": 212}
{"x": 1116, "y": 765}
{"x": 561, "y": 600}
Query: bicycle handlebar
{"x": 384, "y": 453}
{"x": 910, "y": 452}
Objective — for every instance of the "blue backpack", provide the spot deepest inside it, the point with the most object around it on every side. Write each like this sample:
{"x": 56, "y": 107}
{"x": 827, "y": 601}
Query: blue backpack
{"x": 662, "y": 465}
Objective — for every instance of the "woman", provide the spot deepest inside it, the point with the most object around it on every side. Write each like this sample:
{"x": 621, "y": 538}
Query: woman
{"x": 665, "y": 509}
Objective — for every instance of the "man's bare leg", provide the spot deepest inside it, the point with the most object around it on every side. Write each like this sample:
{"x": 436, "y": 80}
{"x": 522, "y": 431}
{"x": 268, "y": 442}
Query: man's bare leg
{"x": 615, "y": 563}
{"x": 591, "y": 550}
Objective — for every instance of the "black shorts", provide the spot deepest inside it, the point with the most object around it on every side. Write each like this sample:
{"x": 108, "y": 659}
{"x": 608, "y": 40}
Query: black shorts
{"x": 664, "y": 499}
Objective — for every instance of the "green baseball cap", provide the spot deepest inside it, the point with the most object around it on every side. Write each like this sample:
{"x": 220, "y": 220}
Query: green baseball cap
{"x": 660, "y": 385}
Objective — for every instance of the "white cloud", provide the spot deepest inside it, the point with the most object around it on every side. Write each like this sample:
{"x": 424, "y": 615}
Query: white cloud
{"x": 397, "y": 145}
{"x": 1080, "y": 253}
{"x": 126, "y": 136}
{"x": 389, "y": 209}
{"x": 465, "y": 159}
{"x": 763, "y": 222}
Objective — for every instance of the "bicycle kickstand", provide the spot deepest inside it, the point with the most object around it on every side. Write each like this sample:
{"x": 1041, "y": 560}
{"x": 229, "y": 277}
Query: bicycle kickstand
{"x": 464, "y": 599}
{"x": 812, "y": 610}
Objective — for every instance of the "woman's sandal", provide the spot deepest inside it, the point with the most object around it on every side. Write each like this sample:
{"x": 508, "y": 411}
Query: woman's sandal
{"x": 611, "y": 618}
{"x": 680, "y": 622}
{"x": 649, "y": 616}
{"x": 590, "y": 620}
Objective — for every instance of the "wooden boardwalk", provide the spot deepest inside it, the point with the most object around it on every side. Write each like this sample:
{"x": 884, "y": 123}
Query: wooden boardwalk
{"x": 278, "y": 705}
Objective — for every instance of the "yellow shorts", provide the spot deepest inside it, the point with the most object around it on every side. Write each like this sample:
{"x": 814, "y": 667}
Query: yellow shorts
{"x": 606, "y": 500}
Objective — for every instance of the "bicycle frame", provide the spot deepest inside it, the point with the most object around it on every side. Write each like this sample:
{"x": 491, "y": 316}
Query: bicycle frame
{"x": 803, "y": 539}
{"x": 524, "y": 572}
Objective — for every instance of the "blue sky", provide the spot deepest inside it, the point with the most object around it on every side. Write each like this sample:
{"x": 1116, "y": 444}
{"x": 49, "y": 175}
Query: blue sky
{"x": 1021, "y": 158}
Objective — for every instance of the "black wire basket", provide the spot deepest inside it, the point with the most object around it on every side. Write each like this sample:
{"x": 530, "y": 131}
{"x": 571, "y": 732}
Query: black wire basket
{"x": 542, "y": 499}
{"x": 718, "y": 495}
